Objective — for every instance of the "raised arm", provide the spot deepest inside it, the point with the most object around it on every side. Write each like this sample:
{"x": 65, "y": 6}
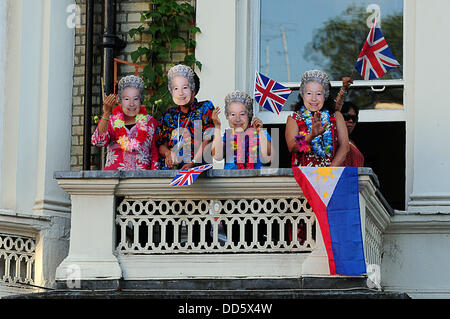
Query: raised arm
{"x": 343, "y": 146}
{"x": 217, "y": 143}
{"x": 346, "y": 82}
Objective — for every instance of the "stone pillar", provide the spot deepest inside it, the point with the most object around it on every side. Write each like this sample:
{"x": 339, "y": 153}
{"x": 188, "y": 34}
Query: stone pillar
{"x": 92, "y": 234}
{"x": 316, "y": 264}
{"x": 429, "y": 119}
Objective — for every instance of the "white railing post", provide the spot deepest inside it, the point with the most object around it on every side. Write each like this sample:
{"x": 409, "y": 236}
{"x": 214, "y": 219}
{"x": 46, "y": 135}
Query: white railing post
{"x": 92, "y": 233}
{"x": 316, "y": 264}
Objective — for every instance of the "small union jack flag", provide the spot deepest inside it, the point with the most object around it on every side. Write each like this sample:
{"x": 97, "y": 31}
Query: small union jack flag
{"x": 187, "y": 177}
{"x": 270, "y": 94}
{"x": 375, "y": 58}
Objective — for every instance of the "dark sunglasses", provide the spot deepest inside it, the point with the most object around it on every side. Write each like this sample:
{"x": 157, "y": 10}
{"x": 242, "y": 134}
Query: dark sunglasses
{"x": 348, "y": 117}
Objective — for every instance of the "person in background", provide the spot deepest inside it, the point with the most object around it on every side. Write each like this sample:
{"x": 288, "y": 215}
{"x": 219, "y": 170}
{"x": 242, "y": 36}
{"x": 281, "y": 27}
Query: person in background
{"x": 126, "y": 129}
{"x": 350, "y": 112}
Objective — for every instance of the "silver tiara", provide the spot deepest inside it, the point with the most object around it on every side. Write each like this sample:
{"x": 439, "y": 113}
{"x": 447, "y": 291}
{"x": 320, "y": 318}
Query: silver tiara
{"x": 316, "y": 76}
{"x": 241, "y": 97}
{"x": 131, "y": 81}
{"x": 184, "y": 71}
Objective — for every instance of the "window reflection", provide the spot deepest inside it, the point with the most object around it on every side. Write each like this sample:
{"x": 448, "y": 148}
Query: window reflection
{"x": 298, "y": 35}
{"x": 364, "y": 97}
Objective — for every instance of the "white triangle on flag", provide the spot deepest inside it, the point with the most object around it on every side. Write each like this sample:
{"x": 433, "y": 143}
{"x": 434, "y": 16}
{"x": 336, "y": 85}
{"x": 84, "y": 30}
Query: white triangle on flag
{"x": 323, "y": 179}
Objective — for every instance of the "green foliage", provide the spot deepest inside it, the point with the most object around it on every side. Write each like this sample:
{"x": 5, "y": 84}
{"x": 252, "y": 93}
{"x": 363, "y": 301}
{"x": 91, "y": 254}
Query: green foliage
{"x": 337, "y": 44}
{"x": 169, "y": 26}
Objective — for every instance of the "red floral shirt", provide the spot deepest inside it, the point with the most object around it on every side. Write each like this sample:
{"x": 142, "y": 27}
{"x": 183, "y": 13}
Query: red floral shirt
{"x": 145, "y": 157}
{"x": 310, "y": 158}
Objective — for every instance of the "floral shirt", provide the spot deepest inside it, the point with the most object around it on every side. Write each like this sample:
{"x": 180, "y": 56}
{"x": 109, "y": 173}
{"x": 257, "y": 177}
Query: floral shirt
{"x": 178, "y": 129}
{"x": 310, "y": 158}
{"x": 229, "y": 146}
{"x": 144, "y": 158}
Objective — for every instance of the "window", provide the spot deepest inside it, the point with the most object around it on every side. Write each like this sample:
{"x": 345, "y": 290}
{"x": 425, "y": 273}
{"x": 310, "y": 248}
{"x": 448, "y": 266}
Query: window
{"x": 295, "y": 36}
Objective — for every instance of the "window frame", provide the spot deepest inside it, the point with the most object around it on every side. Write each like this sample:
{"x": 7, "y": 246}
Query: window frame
{"x": 373, "y": 115}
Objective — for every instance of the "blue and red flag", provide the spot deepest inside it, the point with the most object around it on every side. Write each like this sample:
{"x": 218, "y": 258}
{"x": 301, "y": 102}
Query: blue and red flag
{"x": 270, "y": 94}
{"x": 333, "y": 195}
{"x": 187, "y": 177}
{"x": 375, "y": 58}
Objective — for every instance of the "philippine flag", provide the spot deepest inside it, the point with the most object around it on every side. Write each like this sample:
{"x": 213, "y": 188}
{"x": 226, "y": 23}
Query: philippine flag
{"x": 333, "y": 195}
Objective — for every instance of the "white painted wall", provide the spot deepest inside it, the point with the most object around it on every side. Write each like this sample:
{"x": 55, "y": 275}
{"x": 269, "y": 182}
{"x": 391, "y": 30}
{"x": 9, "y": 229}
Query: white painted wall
{"x": 56, "y": 78}
{"x": 431, "y": 136}
{"x": 10, "y": 97}
{"x": 3, "y": 16}
{"x": 35, "y": 123}
{"x": 216, "y": 50}
{"x": 416, "y": 257}
{"x": 36, "y": 103}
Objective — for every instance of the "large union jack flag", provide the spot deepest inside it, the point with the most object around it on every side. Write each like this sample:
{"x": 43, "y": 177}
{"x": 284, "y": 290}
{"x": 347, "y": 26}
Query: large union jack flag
{"x": 270, "y": 94}
{"x": 187, "y": 177}
{"x": 375, "y": 58}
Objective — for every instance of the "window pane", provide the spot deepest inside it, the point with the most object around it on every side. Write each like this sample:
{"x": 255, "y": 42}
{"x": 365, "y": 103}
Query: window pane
{"x": 364, "y": 97}
{"x": 299, "y": 35}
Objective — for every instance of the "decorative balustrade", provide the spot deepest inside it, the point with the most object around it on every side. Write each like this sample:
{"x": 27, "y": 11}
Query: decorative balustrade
{"x": 17, "y": 259}
{"x": 217, "y": 225}
{"x": 228, "y": 224}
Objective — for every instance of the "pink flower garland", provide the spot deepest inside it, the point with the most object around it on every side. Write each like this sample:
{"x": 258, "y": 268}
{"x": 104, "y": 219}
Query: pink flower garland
{"x": 252, "y": 150}
{"x": 130, "y": 145}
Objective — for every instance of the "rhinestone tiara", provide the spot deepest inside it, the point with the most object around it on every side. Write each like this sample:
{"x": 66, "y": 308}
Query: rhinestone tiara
{"x": 131, "y": 81}
{"x": 315, "y": 76}
{"x": 184, "y": 71}
{"x": 241, "y": 97}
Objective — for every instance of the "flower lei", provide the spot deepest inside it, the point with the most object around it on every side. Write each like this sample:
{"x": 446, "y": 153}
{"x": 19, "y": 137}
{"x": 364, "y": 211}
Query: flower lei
{"x": 322, "y": 145}
{"x": 129, "y": 145}
{"x": 250, "y": 144}
{"x": 303, "y": 146}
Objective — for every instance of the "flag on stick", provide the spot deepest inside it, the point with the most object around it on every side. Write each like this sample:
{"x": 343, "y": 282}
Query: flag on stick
{"x": 187, "y": 177}
{"x": 375, "y": 58}
{"x": 270, "y": 94}
{"x": 333, "y": 195}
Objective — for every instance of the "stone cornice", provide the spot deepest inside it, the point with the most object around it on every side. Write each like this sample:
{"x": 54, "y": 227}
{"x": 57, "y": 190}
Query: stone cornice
{"x": 409, "y": 223}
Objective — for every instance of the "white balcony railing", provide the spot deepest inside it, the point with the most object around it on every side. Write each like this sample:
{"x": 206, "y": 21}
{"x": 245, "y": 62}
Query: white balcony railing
{"x": 17, "y": 259}
{"x": 228, "y": 224}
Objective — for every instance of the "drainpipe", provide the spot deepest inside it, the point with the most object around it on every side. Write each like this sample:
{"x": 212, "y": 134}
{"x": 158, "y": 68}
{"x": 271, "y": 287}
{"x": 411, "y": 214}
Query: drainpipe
{"x": 110, "y": 45}
{"x": 88, "y": 85}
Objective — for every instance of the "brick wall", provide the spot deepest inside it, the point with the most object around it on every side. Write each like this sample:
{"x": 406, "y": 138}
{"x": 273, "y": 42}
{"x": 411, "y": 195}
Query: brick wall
{"x": 128, "y": 17}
